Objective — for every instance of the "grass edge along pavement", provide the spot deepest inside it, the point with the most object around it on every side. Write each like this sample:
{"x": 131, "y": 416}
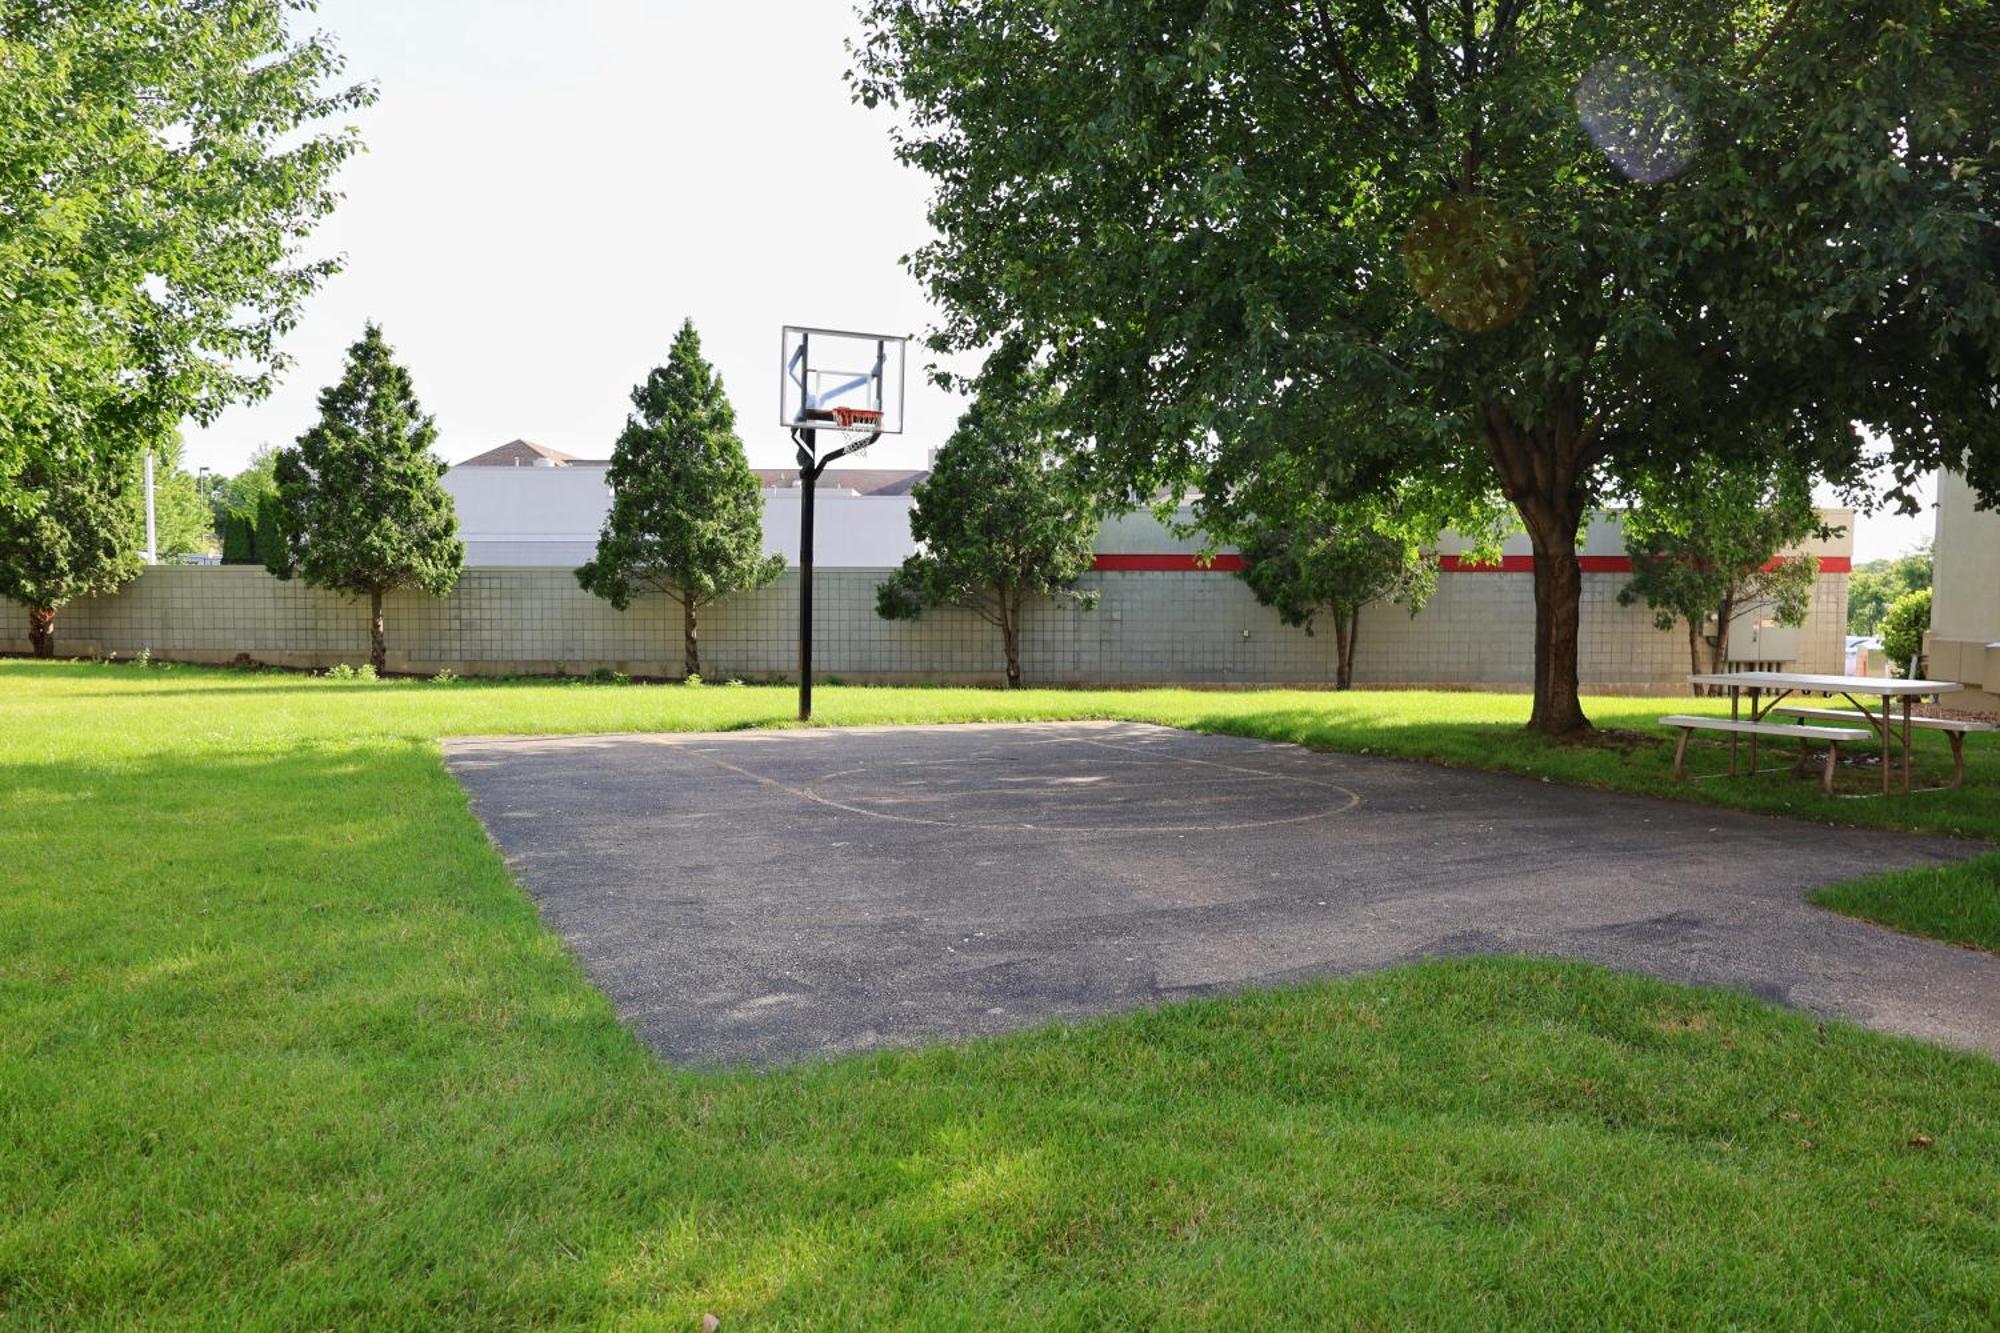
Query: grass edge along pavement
{"x": 1957, "y": 904}
{"x": 285, "y": 1045}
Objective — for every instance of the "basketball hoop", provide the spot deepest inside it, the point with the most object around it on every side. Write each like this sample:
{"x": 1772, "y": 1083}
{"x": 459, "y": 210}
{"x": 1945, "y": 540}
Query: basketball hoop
{"x": 832, "y": 383}
{"x": 858, "y": 426}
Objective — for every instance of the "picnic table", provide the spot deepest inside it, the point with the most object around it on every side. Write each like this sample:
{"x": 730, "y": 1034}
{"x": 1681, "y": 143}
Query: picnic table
{"x": 1768, "y": 689}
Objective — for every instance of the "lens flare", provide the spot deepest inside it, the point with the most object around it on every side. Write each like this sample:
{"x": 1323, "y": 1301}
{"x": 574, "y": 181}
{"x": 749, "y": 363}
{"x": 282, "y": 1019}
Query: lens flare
{"x": 1636, "y": 119}
{"x": 1470, "y": 262}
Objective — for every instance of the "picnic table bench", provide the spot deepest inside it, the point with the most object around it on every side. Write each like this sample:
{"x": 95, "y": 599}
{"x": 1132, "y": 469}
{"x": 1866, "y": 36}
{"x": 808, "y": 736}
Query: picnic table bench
{"x": 1768, "y": 689}
{"x": 1955, "y": 729}
{"x": 1835, "y": 737}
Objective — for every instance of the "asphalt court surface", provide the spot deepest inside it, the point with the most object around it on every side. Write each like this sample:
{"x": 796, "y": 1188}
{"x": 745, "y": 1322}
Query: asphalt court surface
{"x": 757, "y": 897}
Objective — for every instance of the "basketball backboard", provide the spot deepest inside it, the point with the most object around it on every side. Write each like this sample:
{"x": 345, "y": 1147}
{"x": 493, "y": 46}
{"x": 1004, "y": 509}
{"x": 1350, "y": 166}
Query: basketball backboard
{"x": 830, "y": 378}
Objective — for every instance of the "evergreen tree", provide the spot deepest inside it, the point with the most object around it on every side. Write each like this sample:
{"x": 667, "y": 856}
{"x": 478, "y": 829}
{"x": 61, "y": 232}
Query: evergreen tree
{"x": 69, "y": 535}
{"x": 1001, "y": 518}
{"x": 244, "y": 506}
{"x": 686, "y": 510}
{"x": 359, "y": 508}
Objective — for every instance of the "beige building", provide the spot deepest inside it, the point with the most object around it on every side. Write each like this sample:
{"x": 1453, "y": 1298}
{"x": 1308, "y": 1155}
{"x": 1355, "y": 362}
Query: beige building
{"x": 1964, "y": 642}
{"x": 1164, "y": 613}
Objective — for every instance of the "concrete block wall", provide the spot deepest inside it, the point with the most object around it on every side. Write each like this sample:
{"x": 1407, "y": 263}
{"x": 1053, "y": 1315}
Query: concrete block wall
{"x": 1149, "y": 627}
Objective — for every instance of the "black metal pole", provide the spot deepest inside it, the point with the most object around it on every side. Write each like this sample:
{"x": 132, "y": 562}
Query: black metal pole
{"x": 810, "y": 467}
{"x": 809, "y": 482}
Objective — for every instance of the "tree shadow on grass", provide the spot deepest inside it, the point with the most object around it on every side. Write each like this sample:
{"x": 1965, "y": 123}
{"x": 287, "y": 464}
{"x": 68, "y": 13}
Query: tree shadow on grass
{"x": 1643, "y": 765}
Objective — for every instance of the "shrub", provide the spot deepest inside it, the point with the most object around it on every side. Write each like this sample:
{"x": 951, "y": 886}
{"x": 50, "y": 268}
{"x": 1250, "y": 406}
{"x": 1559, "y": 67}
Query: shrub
{"x": 1903, "y": 626}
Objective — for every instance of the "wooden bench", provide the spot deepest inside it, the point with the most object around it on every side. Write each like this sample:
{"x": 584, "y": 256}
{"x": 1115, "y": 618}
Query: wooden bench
{"x": 1954, "y": 728}
{"x": 1835, "y": 737}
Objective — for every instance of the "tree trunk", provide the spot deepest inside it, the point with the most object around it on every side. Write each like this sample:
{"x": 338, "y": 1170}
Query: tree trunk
{"x": 1719, "y": 655}
{"x": 42, "y": 631}
{"x": 1353, "y": 639}
{"x": 1694, "y": 655}
{"x": 378, "y": 642}
{"x": 1010, "y": 635}
{"x": 1558, "y": 625}
{"x": 1543, "y": 470}
{"x": 690, "y": 638}
{"x": 1344, "y": 625}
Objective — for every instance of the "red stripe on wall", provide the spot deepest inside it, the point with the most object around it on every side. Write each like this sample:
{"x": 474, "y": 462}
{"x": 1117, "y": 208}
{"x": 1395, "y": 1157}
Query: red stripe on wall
{"x": 1449, "y": 564}
{"x": 1222, "y": 564}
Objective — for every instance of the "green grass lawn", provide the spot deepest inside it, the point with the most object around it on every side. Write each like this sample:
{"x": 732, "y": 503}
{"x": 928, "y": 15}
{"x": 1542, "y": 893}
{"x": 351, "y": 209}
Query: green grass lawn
{"x": 281, "y": 1044}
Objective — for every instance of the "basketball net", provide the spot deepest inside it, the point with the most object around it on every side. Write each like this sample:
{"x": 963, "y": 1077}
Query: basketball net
{"x": 858, "y": 427}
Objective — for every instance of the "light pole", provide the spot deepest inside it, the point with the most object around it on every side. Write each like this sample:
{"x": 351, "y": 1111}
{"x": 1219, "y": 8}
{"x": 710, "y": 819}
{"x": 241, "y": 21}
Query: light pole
{"x": 152, "y": 529}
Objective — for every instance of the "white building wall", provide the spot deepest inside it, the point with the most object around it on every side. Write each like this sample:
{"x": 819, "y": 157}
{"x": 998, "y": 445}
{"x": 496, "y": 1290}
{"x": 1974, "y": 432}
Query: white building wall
{"x": 1964, "y": 642}
{"x": 849, "y": 531}
{"x": 529, "y": 516}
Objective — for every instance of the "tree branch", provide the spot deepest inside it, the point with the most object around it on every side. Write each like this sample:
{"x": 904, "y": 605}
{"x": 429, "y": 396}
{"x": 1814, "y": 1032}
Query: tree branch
{"x": 1771, "y": 38}
{"x": 1353, "y": 90}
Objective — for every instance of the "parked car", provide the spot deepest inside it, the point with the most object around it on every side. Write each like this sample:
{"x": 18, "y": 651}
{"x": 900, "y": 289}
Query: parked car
{"x": 1864, "y": 656}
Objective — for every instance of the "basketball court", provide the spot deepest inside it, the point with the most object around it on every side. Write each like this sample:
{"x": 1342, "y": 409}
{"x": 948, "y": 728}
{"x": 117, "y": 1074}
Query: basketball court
{"x": 761, "y": 897}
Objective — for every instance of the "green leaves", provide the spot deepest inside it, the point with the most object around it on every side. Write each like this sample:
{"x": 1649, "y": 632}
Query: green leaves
{"x": 686, "y": 510}
{"x": 182, "y": 518}
{"x": 1220, "y": 226}
{"x": 1878, "y": 583}
{"x": 1306, "y": 552}
{"x": 1708, "y": 541}
{"x": 74, "y": 535}
{"x": 1004, "y": 516}
{"x": 359, "y": 506}
{"x": 161, "y": 166}
{"x": 1903, "y": 628}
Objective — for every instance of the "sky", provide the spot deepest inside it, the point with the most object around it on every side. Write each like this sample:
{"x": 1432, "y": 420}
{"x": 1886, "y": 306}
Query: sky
{"x": 551, "y": 186}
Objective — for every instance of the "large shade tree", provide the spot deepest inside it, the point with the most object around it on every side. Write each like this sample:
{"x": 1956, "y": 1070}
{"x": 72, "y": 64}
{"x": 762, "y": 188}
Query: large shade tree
{"x": 687, "y": 513}
{"x": 359, "y": 508}
{"x": 161, "y": 167}
{"x": 1004, "y": 518}
{"x": 1560, "y": 241}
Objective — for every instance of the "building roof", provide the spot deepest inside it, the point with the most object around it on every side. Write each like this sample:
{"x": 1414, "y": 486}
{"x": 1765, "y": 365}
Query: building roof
{"x": 526, "y": 453}
{"x": 860, "y": 480}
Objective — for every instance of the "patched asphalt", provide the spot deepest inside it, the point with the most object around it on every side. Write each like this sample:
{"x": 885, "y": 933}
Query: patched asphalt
{"x": 753, "y": 898}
